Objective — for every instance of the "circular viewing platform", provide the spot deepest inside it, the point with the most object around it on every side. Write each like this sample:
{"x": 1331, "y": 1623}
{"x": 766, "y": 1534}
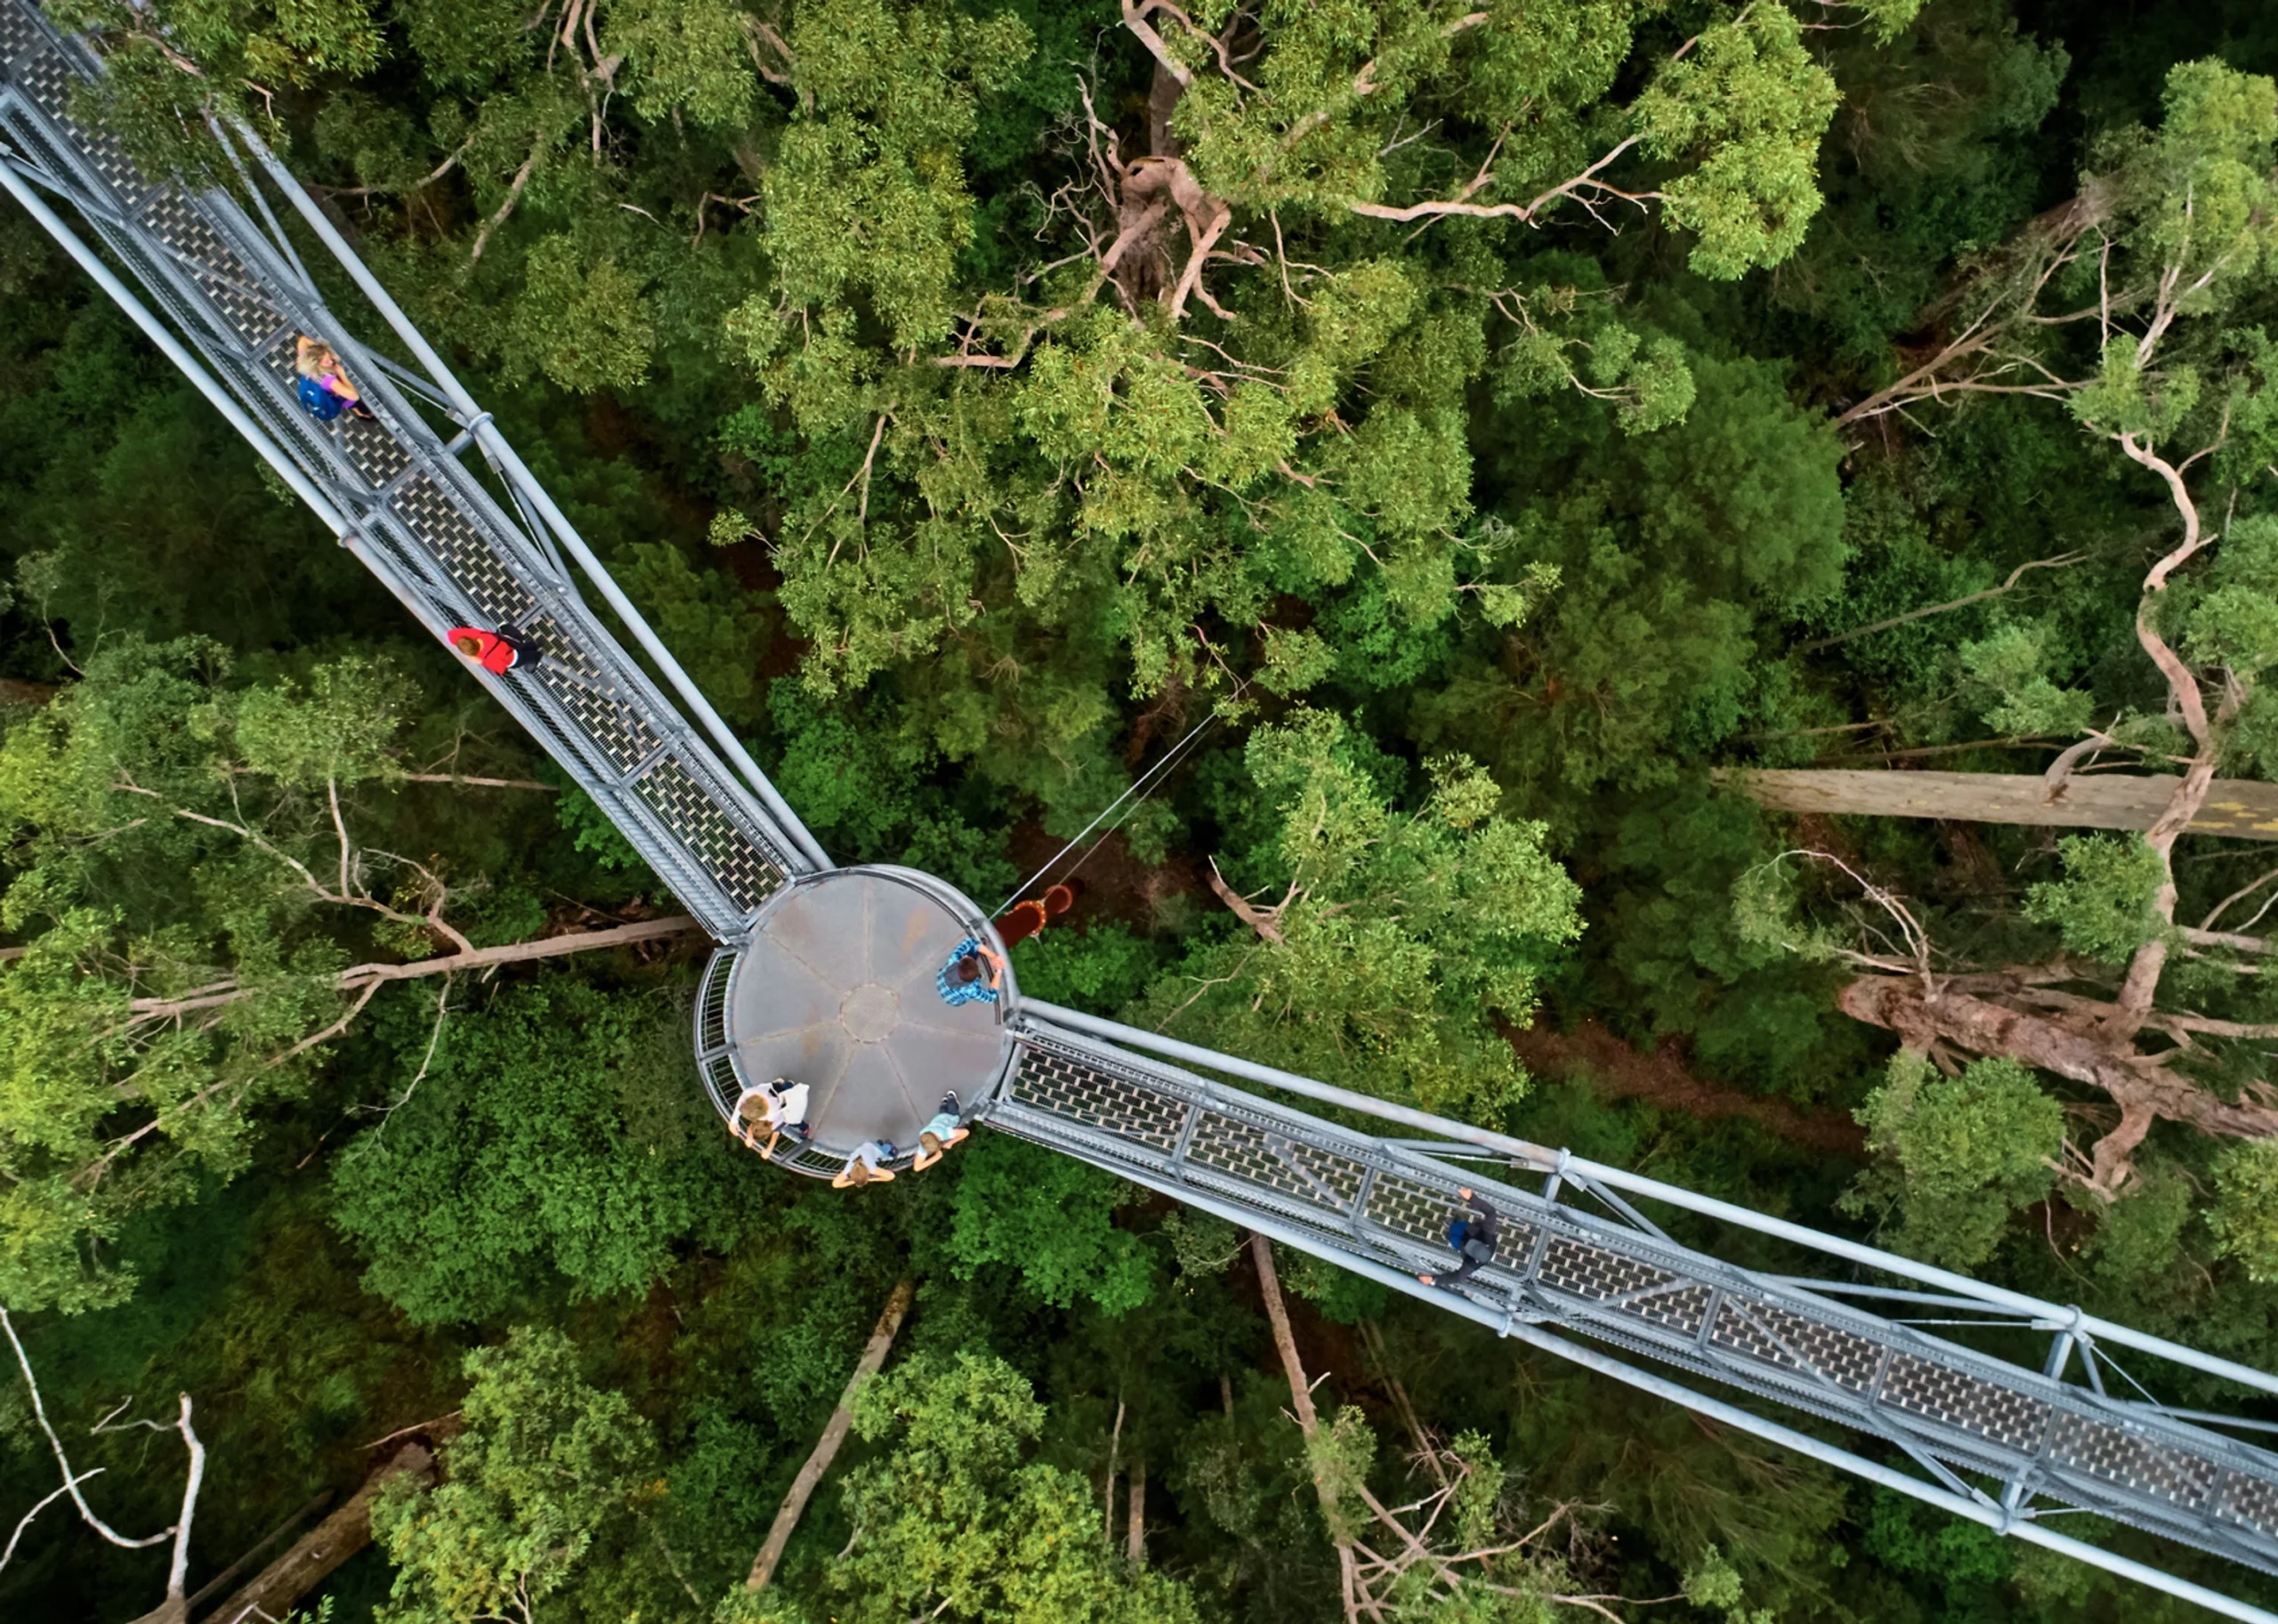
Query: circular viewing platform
{"x": 838, "y": 988}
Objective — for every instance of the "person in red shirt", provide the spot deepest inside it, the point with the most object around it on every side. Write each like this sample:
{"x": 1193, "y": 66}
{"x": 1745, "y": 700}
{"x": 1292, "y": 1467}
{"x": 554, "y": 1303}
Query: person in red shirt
{"x": 499, "y": 651}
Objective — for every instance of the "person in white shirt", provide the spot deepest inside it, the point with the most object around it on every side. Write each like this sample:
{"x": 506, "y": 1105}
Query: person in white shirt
{"x": 773, "y": 1109}
{"x": 867, "y": 1165}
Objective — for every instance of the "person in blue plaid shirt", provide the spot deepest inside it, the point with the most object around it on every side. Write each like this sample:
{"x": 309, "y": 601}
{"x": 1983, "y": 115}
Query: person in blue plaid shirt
{"x": 970, "y": 975}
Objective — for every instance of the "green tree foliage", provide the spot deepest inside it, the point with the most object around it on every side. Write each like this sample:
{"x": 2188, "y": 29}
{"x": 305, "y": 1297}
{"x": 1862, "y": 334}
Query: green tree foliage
{"x": 2167, "y": 247}
{"x": 1051, "y": 1218}
{"x": 547, "y": 1473}
{"x": 957, "y": 1520}
{"x": 1963, "y": 1153}
{"x": 1389, "y": 941}
{"x": 1670, "y": 960}
{"x": 2245, "y": 1216}
{"x": 1101, "y": 969}
{"x": 2103, "y": 906}
{"x": 1560, "y": 388}
{"x": 186, "y": 868}
{"x": 2007, "y": 674}
{"x": 862, "y": 201}
{"x": 713, "y": 628}
{"x": 1672, "y": 552}
{"x": 166, "y": 838}
{"x": 1963, "y": 1559}
{"x": 558, "y": 1135}
{"x": 1129, "y": 447}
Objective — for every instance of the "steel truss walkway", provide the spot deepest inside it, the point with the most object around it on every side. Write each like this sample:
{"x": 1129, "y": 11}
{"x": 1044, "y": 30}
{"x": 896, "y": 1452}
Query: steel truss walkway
{"x": 2021, "y": 1416}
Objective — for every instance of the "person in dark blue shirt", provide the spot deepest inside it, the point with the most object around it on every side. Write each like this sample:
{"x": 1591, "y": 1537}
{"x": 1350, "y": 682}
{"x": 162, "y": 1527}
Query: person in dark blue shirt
{"x": 1473, "y": 1235}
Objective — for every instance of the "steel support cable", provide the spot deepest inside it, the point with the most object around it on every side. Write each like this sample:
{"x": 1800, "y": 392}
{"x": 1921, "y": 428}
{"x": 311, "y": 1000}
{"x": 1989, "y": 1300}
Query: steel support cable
{"x": 1140, "y": 787}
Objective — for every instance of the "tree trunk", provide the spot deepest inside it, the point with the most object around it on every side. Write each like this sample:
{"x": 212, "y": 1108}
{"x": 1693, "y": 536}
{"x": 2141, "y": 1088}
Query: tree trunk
{"x": 1163, "y": 93}
{"x": 1135, "y": 1549}
{"x": 1301, "y": 1403}
{"x": 834, "y": 1434}
{"x": 279, "y": 1587}
{"x": 314, "y": 1503}
{"x": 2240, "y": 808}
{"x": 361, "y": 978}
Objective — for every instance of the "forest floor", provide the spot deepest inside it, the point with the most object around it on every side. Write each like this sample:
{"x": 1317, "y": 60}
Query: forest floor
{"x": 1111, "y": 882}
{"x": 1617, "y": 1069}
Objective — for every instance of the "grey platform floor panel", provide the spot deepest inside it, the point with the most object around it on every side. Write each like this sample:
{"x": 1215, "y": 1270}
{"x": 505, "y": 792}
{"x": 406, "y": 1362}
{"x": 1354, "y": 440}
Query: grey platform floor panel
{"x": 837, "y": 990}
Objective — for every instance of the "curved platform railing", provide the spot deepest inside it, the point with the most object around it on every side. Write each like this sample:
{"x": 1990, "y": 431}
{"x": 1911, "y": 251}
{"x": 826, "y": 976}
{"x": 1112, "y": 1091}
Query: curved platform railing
{"x": 726, "y": 1076}
{"x": 2026, "y": 1416}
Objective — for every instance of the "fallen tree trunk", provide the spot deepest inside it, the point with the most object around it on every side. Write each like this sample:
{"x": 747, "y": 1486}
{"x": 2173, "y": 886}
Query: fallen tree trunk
{"x": 279, "y": 1587}
{"x": 834, "y": 1434}
{"x": 1301, "y": 1405}
{"x": 2241, "y": 808}
{"x": 314, "y": 1503}
{"x": 2144, "y": 1089}
{"x": 361, "y": 978}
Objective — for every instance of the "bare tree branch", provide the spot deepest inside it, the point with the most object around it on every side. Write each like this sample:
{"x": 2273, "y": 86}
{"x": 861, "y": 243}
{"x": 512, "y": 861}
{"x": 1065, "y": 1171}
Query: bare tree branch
{"x": 2060, "y": 561}
{"x": 71, "y": 1480}
{"x": 1301, "y": 1403}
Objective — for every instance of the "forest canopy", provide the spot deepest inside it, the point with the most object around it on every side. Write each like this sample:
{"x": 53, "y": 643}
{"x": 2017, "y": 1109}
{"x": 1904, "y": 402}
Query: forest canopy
{"x": 1414, "y": 462}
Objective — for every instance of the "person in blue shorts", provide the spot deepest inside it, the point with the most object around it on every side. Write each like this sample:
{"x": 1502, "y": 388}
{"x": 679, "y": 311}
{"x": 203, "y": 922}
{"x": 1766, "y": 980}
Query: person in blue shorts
{"x": 867, "y": 1165}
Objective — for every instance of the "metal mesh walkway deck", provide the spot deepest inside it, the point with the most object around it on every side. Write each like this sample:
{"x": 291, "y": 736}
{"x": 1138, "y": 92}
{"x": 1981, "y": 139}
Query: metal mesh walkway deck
{"x": 400, "y": 495}
{"x": 1365, "y": 1202}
